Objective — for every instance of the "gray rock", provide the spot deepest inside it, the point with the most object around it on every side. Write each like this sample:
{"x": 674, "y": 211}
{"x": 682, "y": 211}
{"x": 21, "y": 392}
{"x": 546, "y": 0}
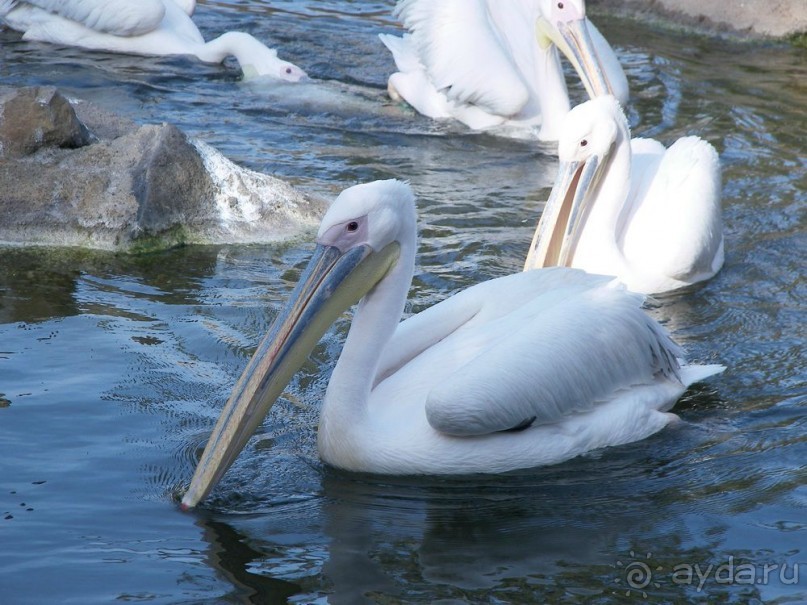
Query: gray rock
{"x": 128, "y": 187}
{"x": 32, "y": 118}
{"x": 744, "y": 18}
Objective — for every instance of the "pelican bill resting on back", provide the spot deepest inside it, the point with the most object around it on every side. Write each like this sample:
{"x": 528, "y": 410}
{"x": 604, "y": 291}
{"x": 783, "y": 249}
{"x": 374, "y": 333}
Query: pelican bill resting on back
{"x": 495, "y": 63}
{"x": 521, "y": 371}
{"x": 629, "y": 207}
{"x": 142, "y": 27}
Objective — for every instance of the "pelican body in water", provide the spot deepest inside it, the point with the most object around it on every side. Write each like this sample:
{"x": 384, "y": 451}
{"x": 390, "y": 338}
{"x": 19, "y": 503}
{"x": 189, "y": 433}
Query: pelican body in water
{"x": 631, "y": 208}
{"x": 525, "y": 370}
{"x": 142, "y": 27}
{"x": 495, "y": 63}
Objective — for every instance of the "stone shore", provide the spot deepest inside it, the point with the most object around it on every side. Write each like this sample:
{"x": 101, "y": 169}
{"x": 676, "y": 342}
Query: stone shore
{"x": 744, "y": 18}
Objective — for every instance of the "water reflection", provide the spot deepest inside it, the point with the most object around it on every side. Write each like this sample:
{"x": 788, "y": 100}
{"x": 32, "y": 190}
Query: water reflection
{"x": 467, "y": 535}
{"x": 534, "y": 536}
{"x": 36, "y": 286}
{"x": 230, "y": 554}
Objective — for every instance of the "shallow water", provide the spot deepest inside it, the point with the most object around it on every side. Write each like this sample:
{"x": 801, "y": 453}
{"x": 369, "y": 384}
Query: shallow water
{"x": 113, "y": 368}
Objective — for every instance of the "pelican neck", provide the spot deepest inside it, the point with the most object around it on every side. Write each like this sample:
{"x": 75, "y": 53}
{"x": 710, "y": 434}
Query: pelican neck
{"x": 240, "y": 45}
{"x": 599, "y": 250}
{"x": 374, "y": 321}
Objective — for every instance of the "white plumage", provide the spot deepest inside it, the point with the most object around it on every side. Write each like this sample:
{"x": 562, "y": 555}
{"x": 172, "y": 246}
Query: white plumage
{"x": 495, "y": 63}
{"x": 525, "y": 370}
{"x": 631, "y": 208}
{"x": 145, "y": 27}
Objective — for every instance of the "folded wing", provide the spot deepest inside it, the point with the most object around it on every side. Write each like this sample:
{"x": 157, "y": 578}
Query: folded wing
{"x": 562, "y": 353}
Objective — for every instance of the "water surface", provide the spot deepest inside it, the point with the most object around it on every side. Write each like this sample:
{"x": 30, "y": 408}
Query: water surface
{"x": 113, "y": 368}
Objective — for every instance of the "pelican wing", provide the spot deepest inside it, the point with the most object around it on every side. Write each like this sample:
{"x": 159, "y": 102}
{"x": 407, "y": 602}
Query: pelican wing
{"x": 424, "y": 337}
{"x": 187, "y": 6}
{"x": 428, "y": 332}
{"x": 118, "y": 17}
{"x": 676, "y": 210}
{"x": 463, "y": 55}
{"x": 403, "y": 52}
{"x": 578, "y": 341}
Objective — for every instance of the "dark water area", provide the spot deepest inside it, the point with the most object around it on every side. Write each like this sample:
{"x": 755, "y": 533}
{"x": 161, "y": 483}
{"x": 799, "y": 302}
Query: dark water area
{"x": 113, "y": 368}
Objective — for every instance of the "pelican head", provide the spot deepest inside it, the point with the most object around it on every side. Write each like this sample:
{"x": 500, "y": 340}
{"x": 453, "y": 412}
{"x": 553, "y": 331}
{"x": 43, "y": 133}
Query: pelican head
{"x": 588, "y": 133}
{"x": 265, "y": 62}
{"x": 275, "y": 68}
{"x": 564, "y": 23}
{"x": 358, "y": 243}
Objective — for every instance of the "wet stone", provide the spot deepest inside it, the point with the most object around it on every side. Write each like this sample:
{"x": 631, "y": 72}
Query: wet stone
{"x": 37, "y": 117}
{"x": 72, "y": 174}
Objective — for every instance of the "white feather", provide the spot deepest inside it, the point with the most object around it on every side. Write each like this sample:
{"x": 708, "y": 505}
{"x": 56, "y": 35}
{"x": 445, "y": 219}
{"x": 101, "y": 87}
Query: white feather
{"x": 147, "y": 27}
{"x": 469, "y": 69}
{"x": 653, "y": 215}
{"x": 118, "y": 17}
{"x": 571, "y": 352}
{"x": 480, "y": 62}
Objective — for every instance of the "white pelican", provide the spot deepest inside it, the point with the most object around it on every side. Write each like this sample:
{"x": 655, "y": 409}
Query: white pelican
{"x": 144, "y": 27}
{"x": 521, "y": 371}
{"x": 494, "y": 63}
{"x": 631, "y": 208}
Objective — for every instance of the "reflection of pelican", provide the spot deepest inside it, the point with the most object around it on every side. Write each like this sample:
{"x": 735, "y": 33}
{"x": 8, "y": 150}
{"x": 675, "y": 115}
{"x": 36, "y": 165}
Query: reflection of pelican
{"x": 490, "y": 63}
{"x": 524, "y": 370}
{"x": 146, "y": 27}
{"x": 231, "y": 555}
{"x": 631, "y": 208}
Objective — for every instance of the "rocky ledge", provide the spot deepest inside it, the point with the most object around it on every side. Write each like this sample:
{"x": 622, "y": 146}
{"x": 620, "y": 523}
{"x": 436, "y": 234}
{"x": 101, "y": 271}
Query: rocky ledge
{"x": 72, "y": 174}
{"x": 738, "y": 18}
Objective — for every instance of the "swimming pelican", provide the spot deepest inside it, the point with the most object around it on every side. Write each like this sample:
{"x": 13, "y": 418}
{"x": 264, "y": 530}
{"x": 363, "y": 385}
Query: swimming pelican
{"x": 631, "y": 208}
{"x": 525, "y": 370}
{"x": 145, "y": 27}
{"x": 495, "y": 63}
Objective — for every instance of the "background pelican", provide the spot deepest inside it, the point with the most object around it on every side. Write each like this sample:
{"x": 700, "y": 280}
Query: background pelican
{"x": 516, "y": 372}
{"x": 491, "y": 63}
{"x": 631, "y": 208}
{"x": 145, "y": 27}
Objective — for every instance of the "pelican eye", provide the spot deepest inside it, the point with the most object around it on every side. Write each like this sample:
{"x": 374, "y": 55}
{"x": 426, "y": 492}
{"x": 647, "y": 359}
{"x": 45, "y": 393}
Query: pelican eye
{"x": 288, "y": 70}
{"x": 352, "y": 226}
{"x": 583, "y": 143}
{"x": 560, "y": 5}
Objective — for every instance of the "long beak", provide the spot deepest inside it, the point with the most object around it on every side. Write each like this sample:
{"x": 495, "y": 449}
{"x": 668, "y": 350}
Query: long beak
{"x": 562, "y": 220}
{"x": 332, "y": 282}
{"x": 574, "y": 40}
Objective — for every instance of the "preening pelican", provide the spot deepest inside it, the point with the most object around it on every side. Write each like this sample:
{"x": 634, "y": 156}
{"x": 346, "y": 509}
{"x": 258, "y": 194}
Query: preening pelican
{"x": 525, "y": 370}
{"x": 145, "y": 27}
{"x": 631, "y": 208}
{"x": 495, "y": 63}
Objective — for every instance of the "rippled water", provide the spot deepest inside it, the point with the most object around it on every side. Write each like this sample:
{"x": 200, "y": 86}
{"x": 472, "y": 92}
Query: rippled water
{"x": 113, "y": 368}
